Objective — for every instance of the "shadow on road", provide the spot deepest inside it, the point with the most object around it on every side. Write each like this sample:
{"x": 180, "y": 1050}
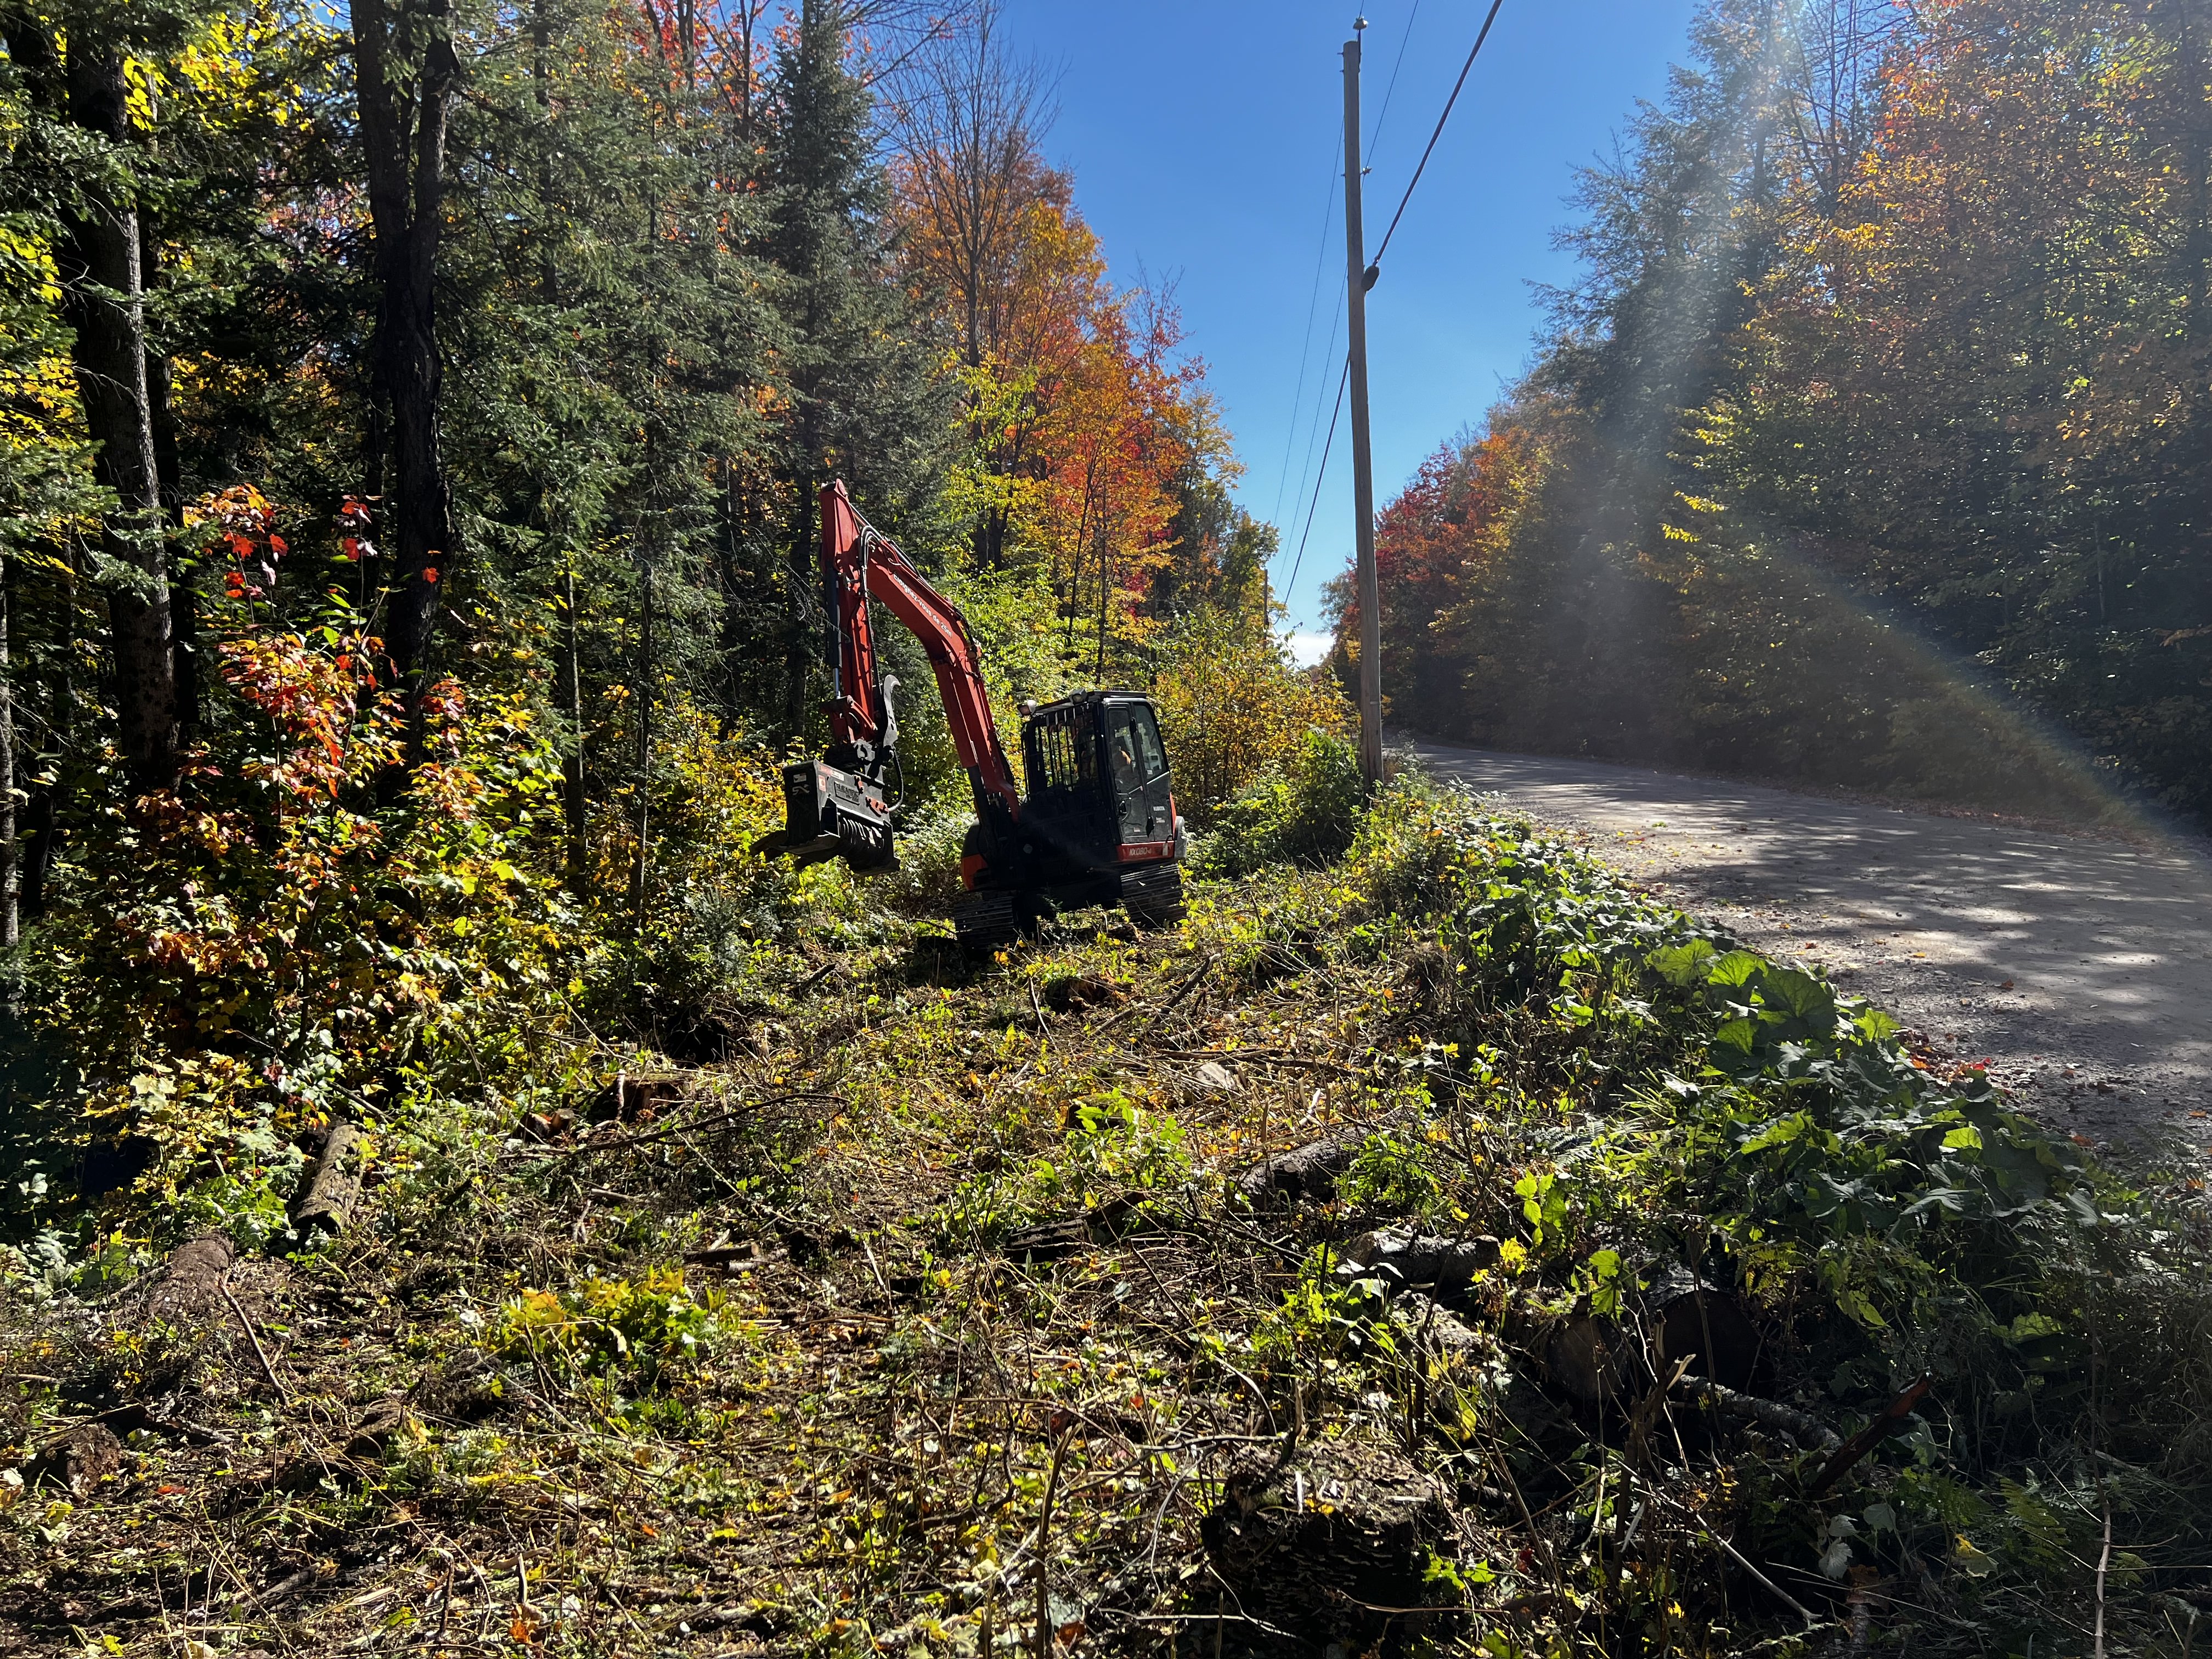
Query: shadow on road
{"x": 2081, "y": 967}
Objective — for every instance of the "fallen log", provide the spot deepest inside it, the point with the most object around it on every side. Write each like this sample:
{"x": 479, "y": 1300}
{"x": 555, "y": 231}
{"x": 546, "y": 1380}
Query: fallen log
{"x": 1311, "y": 1170}
{"x": 1401, "y": 1257}
{"x": 1767, "y": 1413}
{"x": 329, "y": 1191}
{"x": 191, "y": 1285}
{"x": 1425, "y": 1320}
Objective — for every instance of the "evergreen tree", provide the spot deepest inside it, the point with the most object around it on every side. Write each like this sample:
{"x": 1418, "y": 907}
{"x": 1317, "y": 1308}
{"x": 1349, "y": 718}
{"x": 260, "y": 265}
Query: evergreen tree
{"x": 859, "y": 361}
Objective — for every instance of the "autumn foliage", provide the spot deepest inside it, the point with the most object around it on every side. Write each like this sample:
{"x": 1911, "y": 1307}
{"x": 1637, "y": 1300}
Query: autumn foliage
{"x": 1876, "y": 432}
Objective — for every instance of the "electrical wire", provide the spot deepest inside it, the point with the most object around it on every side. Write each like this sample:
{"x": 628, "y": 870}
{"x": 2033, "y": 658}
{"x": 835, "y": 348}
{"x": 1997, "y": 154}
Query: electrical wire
{"x": 1383, "y": 115}
{"x": 1299, "y": 563}
{"x": 1439, "y": 133}
{"x": 1305, "y": 349}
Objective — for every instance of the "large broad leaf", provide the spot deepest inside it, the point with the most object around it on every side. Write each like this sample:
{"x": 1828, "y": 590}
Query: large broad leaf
{"x": 1737, "y": 1034}
{"x": 1736, "y": 968}
{"x": 1780, "y": 1133}
{"x": 1800, "y": 995}
{"x": 1683, "y": 964}
{"x": 1874, "y": 1025}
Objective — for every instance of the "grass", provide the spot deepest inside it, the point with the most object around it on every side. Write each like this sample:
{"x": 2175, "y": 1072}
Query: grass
{"x": 942, "y": 1326}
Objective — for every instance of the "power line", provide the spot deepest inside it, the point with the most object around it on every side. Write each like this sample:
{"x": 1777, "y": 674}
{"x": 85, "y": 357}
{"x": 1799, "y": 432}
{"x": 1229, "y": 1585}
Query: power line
{"x": 1373, "y": 263}
{"x": 1296, "y": 563}
{"x": 1305, "y": 349}
{"x": 1383, "y": 115}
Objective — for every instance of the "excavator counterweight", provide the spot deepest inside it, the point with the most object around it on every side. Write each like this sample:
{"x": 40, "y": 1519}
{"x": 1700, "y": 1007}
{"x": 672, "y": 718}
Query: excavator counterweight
{"x": 1098, "y": 823}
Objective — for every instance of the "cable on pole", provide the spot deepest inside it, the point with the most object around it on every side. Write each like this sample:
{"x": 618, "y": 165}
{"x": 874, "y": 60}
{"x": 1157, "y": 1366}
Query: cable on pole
{"x": 1305, "y": 350}
{"x": 1375, "y": 137}
{"x": 1290, "y": 586}
{"x": 1375, "y": 265}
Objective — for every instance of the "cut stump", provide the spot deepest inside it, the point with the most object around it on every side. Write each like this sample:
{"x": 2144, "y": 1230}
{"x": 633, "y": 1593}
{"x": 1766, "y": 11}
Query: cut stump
{"x": 1315, "y": 1547}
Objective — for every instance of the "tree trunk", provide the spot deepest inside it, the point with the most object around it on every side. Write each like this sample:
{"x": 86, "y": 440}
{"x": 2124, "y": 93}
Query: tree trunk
{"x": 403, "y": 109}
{"x": 572, "y": 770}
{"x": 169, "y": 486}
{"x": 40, "y": 823}
{"x": 644, "y": 700}
{"x": 10, "y": 852}
{"x": 102, "y": 277}
{"x": 797, "y": 652}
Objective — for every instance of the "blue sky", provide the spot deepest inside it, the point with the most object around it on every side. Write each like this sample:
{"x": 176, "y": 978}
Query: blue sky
{"x": 1202, "y": 136}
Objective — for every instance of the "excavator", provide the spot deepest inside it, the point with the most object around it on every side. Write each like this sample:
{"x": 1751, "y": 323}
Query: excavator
{"x": 1098, "y": 823}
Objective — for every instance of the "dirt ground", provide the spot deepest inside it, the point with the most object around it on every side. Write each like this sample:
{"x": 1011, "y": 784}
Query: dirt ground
{"x": 2079, "y": 966}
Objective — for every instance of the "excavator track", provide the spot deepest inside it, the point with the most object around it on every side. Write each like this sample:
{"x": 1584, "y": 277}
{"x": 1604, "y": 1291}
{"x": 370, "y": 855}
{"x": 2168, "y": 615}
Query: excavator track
{"x": 985, "y": 921}
{"x": 1153, "y": 895}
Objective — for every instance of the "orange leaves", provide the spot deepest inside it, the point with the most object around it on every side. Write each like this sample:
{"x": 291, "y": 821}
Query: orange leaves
{"x": 1080, "y": 416}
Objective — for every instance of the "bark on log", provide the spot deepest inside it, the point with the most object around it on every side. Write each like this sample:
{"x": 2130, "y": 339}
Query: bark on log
{"x": 1693, "y": 1317}
{"x": 78, "y": 1462}
{"x": 1767, "y": 1413}
{"x": 1589, "y": 1359}
{"x": 188, "y": 1291}
{"x": 1424, "y": 1320}
{"x": 1311, "y": 1170}
{"x": 1401, "y": 1257}
{"x": 330, "y": 1191}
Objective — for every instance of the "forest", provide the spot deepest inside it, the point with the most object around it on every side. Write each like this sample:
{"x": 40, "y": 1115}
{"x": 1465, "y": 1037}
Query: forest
{"x": 459, "y": 1194}
{"x": 412, "y": 470}
{"x": 1871, "y": 447}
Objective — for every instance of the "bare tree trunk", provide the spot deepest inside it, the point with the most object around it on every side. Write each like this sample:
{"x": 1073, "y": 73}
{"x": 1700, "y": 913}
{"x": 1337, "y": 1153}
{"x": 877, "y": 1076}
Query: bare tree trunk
{"x": 405, "y": 75}
{"x": 40, "y": 824}
{"x": 11, "y": 870}
{"x": 798, "y": 577}
{"x": 168, "y": 474}
{"x": 103, "y": 283}
{"x": 644, "y": 700}
{"x": 572, "y": 769}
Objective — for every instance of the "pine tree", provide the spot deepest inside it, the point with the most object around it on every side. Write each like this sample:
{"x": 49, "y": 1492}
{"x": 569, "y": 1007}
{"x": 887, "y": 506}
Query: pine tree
{"x": 865, "y": 404}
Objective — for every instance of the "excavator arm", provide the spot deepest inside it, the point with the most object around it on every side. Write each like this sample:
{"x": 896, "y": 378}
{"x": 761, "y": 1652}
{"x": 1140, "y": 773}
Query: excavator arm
{"x": 859, "y": 563}
{"x": 840, "y": 806}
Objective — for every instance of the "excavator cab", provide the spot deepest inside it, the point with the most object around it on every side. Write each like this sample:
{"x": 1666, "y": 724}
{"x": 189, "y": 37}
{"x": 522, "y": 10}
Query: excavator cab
{"x": 1098, "y": 824}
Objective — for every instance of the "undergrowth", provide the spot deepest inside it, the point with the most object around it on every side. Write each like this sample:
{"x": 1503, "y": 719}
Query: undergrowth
{"x": 958, "y": 1309}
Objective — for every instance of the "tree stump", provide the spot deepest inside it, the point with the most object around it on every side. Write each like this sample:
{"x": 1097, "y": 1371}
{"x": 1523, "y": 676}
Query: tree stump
{"x": 1698, "y": 1320}
{"x": 1315, "y": 1547}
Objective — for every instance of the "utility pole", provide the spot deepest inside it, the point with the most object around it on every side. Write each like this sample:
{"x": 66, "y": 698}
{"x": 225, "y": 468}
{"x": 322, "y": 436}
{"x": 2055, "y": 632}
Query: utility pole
{"x": 1362, "y": 464}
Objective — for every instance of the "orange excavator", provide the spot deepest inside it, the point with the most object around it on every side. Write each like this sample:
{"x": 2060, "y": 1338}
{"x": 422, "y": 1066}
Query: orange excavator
{"x": 1098, "y": 824}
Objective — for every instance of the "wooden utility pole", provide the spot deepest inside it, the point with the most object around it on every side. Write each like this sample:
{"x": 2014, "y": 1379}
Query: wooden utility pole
{"x": 1363, "y": 465}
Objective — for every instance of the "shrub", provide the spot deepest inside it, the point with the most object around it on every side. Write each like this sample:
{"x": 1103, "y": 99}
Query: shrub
{"x": 1305, "y": 812}
{"x": 644, "y": 1326}
{"x": 1232, "y": 709}
{"x": 719, "y": 917}
{"x": 265, "y": 946}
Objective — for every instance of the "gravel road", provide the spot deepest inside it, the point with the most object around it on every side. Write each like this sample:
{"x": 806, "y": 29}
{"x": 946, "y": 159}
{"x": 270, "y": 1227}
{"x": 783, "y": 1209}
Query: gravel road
{"x": 2080, "y": 967}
